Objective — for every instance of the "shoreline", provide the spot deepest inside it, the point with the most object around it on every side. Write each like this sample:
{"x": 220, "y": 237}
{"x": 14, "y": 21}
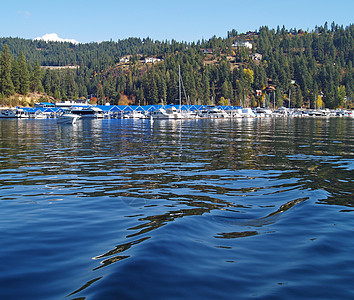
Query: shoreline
{"x": 154, "y": 112}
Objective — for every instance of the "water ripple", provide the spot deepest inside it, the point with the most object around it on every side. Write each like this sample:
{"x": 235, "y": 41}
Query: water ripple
{"x": 195, "y": 209}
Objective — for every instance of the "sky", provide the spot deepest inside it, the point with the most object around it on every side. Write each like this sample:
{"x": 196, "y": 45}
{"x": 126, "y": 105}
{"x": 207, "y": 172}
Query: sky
{"x": 182, "y": 20}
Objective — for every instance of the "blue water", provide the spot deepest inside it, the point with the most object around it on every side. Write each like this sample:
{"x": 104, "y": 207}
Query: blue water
{"x": 192, "y": 209}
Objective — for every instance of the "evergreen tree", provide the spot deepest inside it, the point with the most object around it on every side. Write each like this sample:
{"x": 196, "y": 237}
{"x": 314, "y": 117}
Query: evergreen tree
{"x": 226, "y": 89}
{"x": 6, "y": 85}
{"x": 213, "y": 95}
{"x": 279, "y": 98}
{"x": 23, "y": 75}
{"x": 341, "y": 95}
{"x": 15, "y": 75}
{"x": 299, "y": 99}
{"x": 100, "y": 95}
{"x": 172, "y": 86}
{"x": 69, "y": 86}
{"x": 162, "y": 89}
{"x": 35, "y": 79}
{"x": 140, "y": 96}
{"x": 154, "y": 94}
{"x": 205, "y": 97}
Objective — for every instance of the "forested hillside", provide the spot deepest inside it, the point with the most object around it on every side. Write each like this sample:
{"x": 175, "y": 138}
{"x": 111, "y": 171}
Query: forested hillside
{"x": 249, "y": 69}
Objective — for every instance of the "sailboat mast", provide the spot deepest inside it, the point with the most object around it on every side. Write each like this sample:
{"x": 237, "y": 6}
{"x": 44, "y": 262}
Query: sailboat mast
{"x": 179, "y": 87}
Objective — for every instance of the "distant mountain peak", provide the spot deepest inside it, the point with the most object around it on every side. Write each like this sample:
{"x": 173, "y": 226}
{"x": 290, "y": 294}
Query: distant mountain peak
{"x": 53, "y": 37}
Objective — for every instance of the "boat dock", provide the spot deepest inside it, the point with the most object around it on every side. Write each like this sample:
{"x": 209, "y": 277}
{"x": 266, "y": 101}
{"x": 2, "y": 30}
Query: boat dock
{"x": 166, "y": 112}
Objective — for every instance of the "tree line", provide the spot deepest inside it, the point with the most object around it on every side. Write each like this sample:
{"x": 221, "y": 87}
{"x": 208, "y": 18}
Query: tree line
{"x": 297, "y": 68}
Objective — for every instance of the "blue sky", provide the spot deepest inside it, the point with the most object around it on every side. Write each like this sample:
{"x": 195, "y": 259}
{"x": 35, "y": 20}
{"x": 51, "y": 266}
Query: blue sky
{"x": 182, "y": 20}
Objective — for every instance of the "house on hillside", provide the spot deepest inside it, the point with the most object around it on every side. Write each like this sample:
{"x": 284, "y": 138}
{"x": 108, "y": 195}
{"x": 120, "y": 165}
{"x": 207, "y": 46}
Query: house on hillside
{"x": 256, "y": 56}
{"x": 246, "y": 44}
{"x": 152, "y": 60}
{"x": 124, "y": 60}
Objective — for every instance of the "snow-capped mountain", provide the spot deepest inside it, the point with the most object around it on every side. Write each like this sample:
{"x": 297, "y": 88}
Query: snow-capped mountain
{"x": 53, "y": 37}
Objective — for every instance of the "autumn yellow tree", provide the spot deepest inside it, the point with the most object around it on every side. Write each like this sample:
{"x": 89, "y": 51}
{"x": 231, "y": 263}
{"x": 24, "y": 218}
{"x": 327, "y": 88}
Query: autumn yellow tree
{"x": 124, "y": 100}
{"x": 319, "y": 102}
{"x": 249, "y": 76}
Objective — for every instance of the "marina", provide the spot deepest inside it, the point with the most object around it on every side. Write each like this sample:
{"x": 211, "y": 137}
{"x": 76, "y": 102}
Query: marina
{"x": 176, "y": 150}
{"x": 166, "y": 112}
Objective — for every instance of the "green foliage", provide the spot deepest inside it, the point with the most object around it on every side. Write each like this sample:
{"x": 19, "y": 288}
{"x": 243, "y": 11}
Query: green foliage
{"x": 299, "y": 98}
{"x": 36, "y": 79}
{"x": 307, "y": 63}
{"x": 23, "y": 79}
{"x": 341, "y": 95}
{"x": 6, "y": 85}
{"x": 279, "y": 100}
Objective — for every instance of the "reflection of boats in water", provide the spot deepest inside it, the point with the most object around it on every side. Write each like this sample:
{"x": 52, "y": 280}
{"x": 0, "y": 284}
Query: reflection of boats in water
{"x": 13, "y": 113}
{"x": 67, "y": 117}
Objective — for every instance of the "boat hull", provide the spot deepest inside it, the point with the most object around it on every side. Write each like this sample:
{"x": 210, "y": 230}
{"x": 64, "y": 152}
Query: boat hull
{"x": 68, "y": 119}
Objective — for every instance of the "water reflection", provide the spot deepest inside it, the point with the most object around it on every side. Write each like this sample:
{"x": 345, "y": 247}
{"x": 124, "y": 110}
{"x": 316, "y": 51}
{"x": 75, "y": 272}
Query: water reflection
{"x": 134, "y": 180}
{"x": 234, "y": 235}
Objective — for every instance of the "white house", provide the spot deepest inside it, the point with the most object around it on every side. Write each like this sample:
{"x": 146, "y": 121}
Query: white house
{"x": 256, "y": 56}
{"x": 152, "y": 60}
{"x": 124, "y": 60}
{"x": 242, "y": 44}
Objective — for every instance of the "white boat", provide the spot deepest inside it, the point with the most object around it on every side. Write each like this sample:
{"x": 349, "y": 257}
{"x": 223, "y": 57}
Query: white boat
{"x": 236, "y": 113}
{"x": 213, "y": 112}
{"x": 86, "y": 111}
{"x": 160, "y": 114}
{"x": 134, "y": 115}
{"x": 263, "y": 112}
{"x": 247, "y": 113}
{"x": 174, "y": 113}
{"x": 189, "y": 114}
{"x": 67, "y": 117}
{"x": 14, "y": 113}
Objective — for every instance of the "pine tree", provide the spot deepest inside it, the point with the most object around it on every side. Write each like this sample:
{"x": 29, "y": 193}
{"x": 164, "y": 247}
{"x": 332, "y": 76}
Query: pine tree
{"x": 100, "y": 94}
{"x": 15, "y": 75}
{"x": 23, "y": 75}
{"x": 35, "y": 79}
{"x": 151, "y": 90}
{"x": 47, "y": 82}
{"x": 213, "y": 94}
{"x": 279, "y": 98}
{"x": 69, "y": 86}
{"x": 341, "y": 95}
{"x": 206, "y": 89}
{"x": 6, "y": 85}
{"x": 162, "y": 89}
{"x": 226, "y": 89}
{"x": 299, "y": 100}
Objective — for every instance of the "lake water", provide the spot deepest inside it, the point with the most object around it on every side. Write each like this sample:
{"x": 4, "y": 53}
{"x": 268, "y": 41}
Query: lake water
{"x": 192, "y": 209}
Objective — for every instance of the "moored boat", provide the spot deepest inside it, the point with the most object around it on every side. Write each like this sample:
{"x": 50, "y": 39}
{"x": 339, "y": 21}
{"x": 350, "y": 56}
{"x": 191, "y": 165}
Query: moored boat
{"x": 13, "y": 113}
{"x": 160, "y": 114}
{"x": 67, "y": 117}
{"x": 8, "y": 113}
